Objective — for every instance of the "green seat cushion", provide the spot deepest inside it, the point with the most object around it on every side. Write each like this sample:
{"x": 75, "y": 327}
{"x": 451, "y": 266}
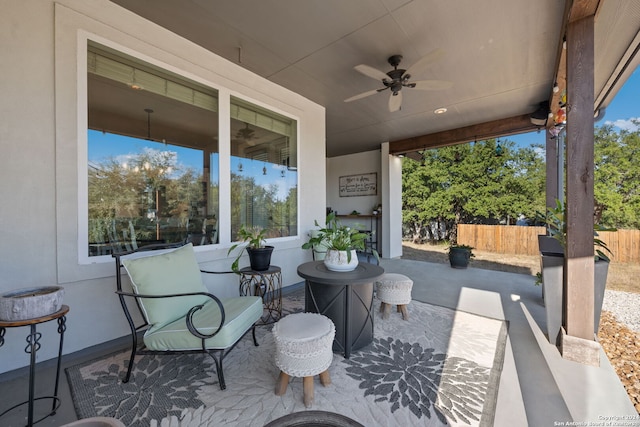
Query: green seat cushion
{"x": 173, "y": 272}
{"x": 240, "y": 314}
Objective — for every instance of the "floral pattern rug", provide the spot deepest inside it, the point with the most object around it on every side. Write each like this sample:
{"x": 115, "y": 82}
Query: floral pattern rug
{"x": 441, "y": 367}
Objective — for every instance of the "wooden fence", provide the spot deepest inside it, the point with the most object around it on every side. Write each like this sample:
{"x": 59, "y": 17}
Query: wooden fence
{"x": 513, "y": 239}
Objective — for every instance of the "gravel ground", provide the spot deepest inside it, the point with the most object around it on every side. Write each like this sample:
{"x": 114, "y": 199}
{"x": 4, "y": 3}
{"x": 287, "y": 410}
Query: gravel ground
{"x": 619, "y": 335}
{"x": 625, "y": 306}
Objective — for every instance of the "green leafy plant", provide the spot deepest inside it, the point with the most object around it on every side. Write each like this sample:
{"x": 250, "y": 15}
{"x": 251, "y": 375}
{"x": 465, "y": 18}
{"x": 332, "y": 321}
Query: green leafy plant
{"x": 337, "y": 236}
{"x": 255, "y": 236}
{"x": 538, "y": 281}
{"x": 556, "y": 225}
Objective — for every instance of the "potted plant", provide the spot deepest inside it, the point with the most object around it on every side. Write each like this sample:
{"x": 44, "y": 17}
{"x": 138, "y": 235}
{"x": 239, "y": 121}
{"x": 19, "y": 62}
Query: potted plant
{"x": 341, "y": 243}
{"x": 460, "y": 255}
{"x": 259, "y": 254}
{"x": 552, "y": 262}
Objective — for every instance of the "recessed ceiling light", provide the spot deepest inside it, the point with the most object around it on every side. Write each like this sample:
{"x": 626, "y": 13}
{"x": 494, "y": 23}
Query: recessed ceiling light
{"x": 440, "y": 110}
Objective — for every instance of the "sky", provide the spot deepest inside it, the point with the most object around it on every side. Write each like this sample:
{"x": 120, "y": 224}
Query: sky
{"x": 624, "y": 107}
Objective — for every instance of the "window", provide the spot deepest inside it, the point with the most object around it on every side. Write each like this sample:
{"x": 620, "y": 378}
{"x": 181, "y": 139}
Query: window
{"x": 264, "y": 175}
{"x": 153, "y": 155}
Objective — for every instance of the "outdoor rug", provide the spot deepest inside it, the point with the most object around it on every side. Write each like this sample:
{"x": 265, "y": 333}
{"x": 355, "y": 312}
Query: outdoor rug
{"x": 441, "y": 367}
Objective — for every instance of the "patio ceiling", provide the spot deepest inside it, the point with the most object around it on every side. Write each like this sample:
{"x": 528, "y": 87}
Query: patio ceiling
{"x": 502, "y": 58}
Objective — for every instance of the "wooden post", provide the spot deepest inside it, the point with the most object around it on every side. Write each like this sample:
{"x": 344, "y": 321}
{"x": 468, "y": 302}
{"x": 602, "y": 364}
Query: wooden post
{"x": 579, "y": 261}
{"x": 551, "y": 170}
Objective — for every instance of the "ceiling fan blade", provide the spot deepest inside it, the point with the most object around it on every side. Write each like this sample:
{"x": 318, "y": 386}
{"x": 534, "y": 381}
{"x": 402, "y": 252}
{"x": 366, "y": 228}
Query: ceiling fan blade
{"x": 363, "y": 95}
{"x": 425, "y": 61}
{"x": 371, "y": 72}
{"x": 395, "y": 102}
{"x": 431, "y": 84}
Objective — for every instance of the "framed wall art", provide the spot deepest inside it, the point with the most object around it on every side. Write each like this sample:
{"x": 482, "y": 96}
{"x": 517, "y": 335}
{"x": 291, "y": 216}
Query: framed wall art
{"x": 365, "y": 184}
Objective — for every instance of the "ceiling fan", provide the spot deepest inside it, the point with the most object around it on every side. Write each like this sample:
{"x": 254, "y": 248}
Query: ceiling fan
{"x": 398, "y": 78}
{"x": 245, "y": 133}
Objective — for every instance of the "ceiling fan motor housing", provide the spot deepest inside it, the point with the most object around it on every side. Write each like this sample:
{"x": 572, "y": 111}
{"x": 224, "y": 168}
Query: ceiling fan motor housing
{"x": 395, "y": 79}
{"x": 396, "y": 82}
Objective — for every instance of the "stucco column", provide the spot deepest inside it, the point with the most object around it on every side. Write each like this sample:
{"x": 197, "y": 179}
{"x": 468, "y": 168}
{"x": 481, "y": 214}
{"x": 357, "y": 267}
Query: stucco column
{"x": 391, "y": 167}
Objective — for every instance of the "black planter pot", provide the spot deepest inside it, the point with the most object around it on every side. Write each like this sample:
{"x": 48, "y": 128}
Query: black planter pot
{"x": 549, "y": 245}
{"x": 459, "y": 257}
{"x": 260, "y": 258}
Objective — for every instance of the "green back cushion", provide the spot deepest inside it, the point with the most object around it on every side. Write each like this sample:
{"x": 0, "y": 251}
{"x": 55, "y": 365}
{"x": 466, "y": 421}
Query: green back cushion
{"x": 173, "y": 272}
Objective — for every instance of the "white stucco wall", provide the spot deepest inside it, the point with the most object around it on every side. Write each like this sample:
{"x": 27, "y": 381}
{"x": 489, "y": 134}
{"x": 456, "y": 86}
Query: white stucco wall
{"x": 43, "y": 136}
{"x": 352, "y": 164}
{"x": 389, "y": 172}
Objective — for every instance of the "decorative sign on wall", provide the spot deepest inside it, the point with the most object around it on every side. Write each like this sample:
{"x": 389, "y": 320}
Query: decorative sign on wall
{"x": 365, "y": 184}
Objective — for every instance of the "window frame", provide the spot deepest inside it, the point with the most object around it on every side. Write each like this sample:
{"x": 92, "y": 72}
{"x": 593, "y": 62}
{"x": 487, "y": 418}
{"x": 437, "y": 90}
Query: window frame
{"x": 224, "y": 149}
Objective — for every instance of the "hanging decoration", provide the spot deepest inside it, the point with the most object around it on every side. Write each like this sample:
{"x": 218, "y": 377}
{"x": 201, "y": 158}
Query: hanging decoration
{"x": 555, "y": 131}
{"x": 560, "y": 117}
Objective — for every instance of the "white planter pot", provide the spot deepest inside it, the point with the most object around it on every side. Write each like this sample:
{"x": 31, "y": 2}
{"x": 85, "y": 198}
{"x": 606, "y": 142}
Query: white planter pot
{"x": 338, "y": 260}
{"x": 319, "y": 250}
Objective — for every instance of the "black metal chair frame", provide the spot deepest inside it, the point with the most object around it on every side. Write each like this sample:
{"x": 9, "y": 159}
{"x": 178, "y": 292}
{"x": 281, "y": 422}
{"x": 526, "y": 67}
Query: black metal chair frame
{"x": 217, "y": 355}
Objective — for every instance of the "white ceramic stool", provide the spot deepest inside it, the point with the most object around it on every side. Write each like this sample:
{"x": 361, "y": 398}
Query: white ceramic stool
{"x": 394, "y": 288}
{"x": 303, "y": 349}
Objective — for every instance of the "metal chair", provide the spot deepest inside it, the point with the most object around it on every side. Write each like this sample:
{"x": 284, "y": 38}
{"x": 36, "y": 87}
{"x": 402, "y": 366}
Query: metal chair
{"x": 179, "y": 314}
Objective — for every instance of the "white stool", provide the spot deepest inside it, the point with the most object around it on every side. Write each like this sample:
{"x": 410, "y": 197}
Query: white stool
{"x": 393, "y": 288}
{"x": 303, "y": 349}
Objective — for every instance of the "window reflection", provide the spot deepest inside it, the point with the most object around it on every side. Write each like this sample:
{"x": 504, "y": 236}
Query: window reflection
{"x": 152, "y": 155}
{"x": 264, "y": 177}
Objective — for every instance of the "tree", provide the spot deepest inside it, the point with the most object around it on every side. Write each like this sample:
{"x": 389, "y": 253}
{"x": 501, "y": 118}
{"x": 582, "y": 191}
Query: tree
{"x": 469, "y": 183}
{"x": 617, "y": 177}
{"x": 149, "y": 187}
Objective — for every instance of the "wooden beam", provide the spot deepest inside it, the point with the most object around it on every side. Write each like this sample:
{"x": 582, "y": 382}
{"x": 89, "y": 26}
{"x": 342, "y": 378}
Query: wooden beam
{"x": 478, "y": 132}
{"x": 582, "y": 8}
{"x": 579, "y": 263}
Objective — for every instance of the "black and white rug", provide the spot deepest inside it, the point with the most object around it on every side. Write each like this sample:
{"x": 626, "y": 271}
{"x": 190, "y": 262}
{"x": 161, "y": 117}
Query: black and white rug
{"x": 442, "y": 367}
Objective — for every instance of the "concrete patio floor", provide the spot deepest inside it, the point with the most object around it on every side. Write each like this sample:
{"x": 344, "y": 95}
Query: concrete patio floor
{"x": 537, "y": 386}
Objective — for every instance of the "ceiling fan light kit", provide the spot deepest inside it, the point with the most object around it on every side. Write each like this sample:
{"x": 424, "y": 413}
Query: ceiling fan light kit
{"x": 398, "y": 78}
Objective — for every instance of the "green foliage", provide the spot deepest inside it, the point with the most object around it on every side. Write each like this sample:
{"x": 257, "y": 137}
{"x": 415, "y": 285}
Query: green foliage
{"x": 555, "y": 223}
{"x": 617, "y": 177}
{"x": 538, "y": 281}
{"x": 255, "y": 236}
{"x": 467, "y": 182}
{"x": 336, "y": 236}
{"x": 255, "y": 204}
{"x": 557, "y": 228}
{"x": 123, "y": 195}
